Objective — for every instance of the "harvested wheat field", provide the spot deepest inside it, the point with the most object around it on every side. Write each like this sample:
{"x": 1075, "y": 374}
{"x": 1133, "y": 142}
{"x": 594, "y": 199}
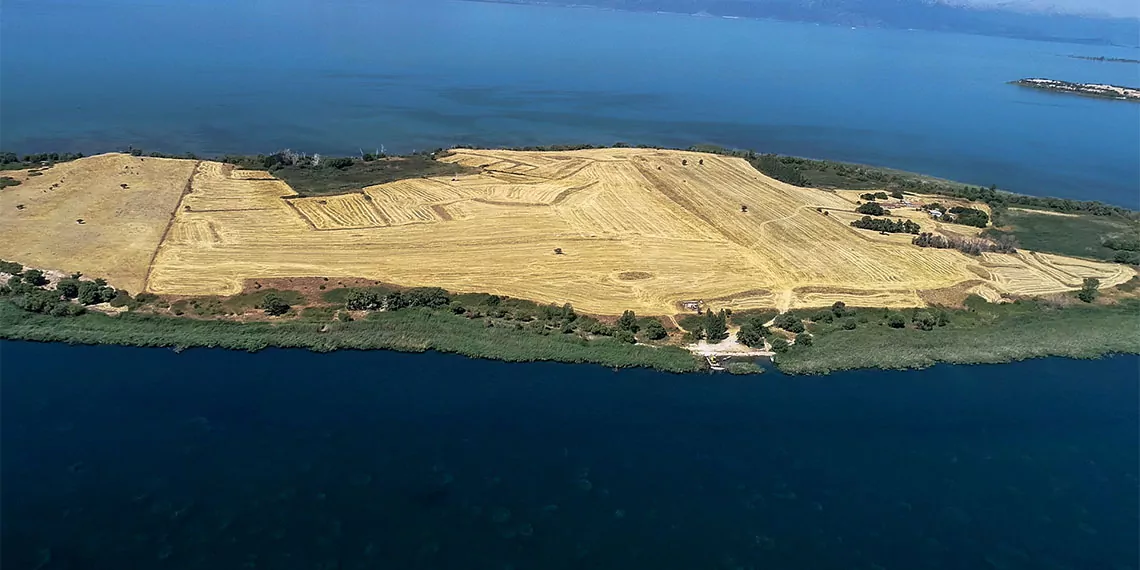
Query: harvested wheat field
{"x": 125, "y": 204}
{"x": 637, "y": 228}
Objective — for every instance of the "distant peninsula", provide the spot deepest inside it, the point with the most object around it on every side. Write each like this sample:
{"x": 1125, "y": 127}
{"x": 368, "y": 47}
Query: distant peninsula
{"x": 1106, "y": 59}
{"x": 1099, "y": 90}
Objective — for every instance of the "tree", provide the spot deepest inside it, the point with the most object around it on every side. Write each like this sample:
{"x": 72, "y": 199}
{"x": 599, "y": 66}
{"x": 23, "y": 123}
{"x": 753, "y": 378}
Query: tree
{"x": 625, "y": 336}
{"x": 362, "y": 300}
{"x": 848, "y": 324}
{"x": 716, "y": 326}
{"x": 395, "y": 301}
{"x": 779, "y": 345}
{"x": 839, "y": 308}
{"x": 752, "y": 332}
{"x": 924, "y": 320}
{"x": 35, "y": 277}
{"x": 427, "y": 297}
{"x": 897, "y": 195}
{"x": 91, "y": 292}
{"x": 970, "y": 216}
{"x": 803, "y": 339}
{"x": 789, "y": 322}
{"x": 872, "y": 209}
{"x": 273, "y": 305}
{"x": 896, "y": 321}
{"x": 823, "y": 316}
{"x": 627, "y": 322}
{"x": 568, "y": 313}
{"x": 1087, "y": 293}
{"x": 654, "y": 330}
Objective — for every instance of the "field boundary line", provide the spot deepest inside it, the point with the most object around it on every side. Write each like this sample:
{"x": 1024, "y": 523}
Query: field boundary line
{"x": 186, "y": 188}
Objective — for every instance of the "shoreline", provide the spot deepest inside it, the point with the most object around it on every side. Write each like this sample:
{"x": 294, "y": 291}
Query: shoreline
{"x": 1093, "y": 90}
{"x": 1077, "y": 332}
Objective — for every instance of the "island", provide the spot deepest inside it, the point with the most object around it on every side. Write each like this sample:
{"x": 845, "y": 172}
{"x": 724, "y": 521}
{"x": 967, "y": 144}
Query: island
{"x": 676, "y": 259}
{"x": 1098, "y": 90}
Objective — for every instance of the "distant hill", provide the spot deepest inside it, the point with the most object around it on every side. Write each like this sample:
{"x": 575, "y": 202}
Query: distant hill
{"x": 1023, "y": 21}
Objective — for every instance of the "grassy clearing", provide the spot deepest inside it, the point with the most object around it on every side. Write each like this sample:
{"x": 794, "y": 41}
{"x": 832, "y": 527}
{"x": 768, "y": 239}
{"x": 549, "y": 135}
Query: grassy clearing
{"x": 222, "y": 306}
{"x": 981, "y": 333}
{"x": 410, "y": 330}
{"x": 1077, "y": 235}
{"x": 327, "y": 180}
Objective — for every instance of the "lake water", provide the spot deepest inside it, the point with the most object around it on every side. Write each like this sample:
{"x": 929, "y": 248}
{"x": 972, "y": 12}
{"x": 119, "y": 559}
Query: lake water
{"x": 132, "y": 458}
{"x": 333, "y": 77}
{"x": 142, "y": 458}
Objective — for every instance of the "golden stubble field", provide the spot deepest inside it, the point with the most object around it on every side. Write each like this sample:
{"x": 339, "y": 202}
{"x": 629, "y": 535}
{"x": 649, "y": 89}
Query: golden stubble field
{"x": 638, "y": 230}
{"x": 125, "y": 203}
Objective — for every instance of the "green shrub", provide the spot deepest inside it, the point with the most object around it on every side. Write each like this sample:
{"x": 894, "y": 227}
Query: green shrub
{"x": 68, "y": 287}
{"x": 872, "y": 209}
{"x": 121, "y": 299}
{"x": 273, "y": 305}
{"x": 93, "y": 292}
{"x": 789, "y": 322}
{"x": 823, "y": 316}
{"x": 35, "y": 277}
{"x": 779, "y": 345}
{"x": 1088, "y": 290}
{"x": 896, "y": 320}
{"x": 752, "y": 332}
{"x": 628, "y": 322}
{"x": 362, "y": 300}
{"x": 743, "y": 368}
{"x": 654, "y": 330}
{"x": 803, "y": 339}
{"x": 145, "y": 298}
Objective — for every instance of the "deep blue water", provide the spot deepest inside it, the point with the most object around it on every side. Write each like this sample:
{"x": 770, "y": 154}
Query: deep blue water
{"x": 142, "y": 458}
{"x": 214, "y": 76}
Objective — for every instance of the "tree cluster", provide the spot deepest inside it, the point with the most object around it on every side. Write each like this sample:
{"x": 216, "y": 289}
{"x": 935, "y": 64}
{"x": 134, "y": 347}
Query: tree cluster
{"x": 967, "y": 216}
{"x": 876, "y": 196}
{"x": 716, "y": 325}
{"x": 753, "y": 332}
{"x": 1127, "y": 249}
{"x": 10, "y": 158}
{"x": 10, "y": 267}
{"x": 789, "y": 322}
{"x": 86, "y": 292}
{"x": 885, "y": 225}
{"x": 779, "y": 169}
{"x": 971, "y": 246}
{"x": 1122, "y": 243}
{"x": 872, "y": 209}
{"x": 25, "y": 289}
{"x": 432, "y": 297}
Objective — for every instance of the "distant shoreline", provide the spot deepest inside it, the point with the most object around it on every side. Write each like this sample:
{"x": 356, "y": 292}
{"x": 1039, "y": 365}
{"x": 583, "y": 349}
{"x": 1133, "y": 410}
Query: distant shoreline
{"x": 1105, "y": 59}
{"x": 1097, "y": 90}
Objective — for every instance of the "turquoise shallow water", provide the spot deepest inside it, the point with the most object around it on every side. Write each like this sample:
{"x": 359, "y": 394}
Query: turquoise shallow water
{"x": 142, "y": 458}
{"x": 213, "y": 77}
